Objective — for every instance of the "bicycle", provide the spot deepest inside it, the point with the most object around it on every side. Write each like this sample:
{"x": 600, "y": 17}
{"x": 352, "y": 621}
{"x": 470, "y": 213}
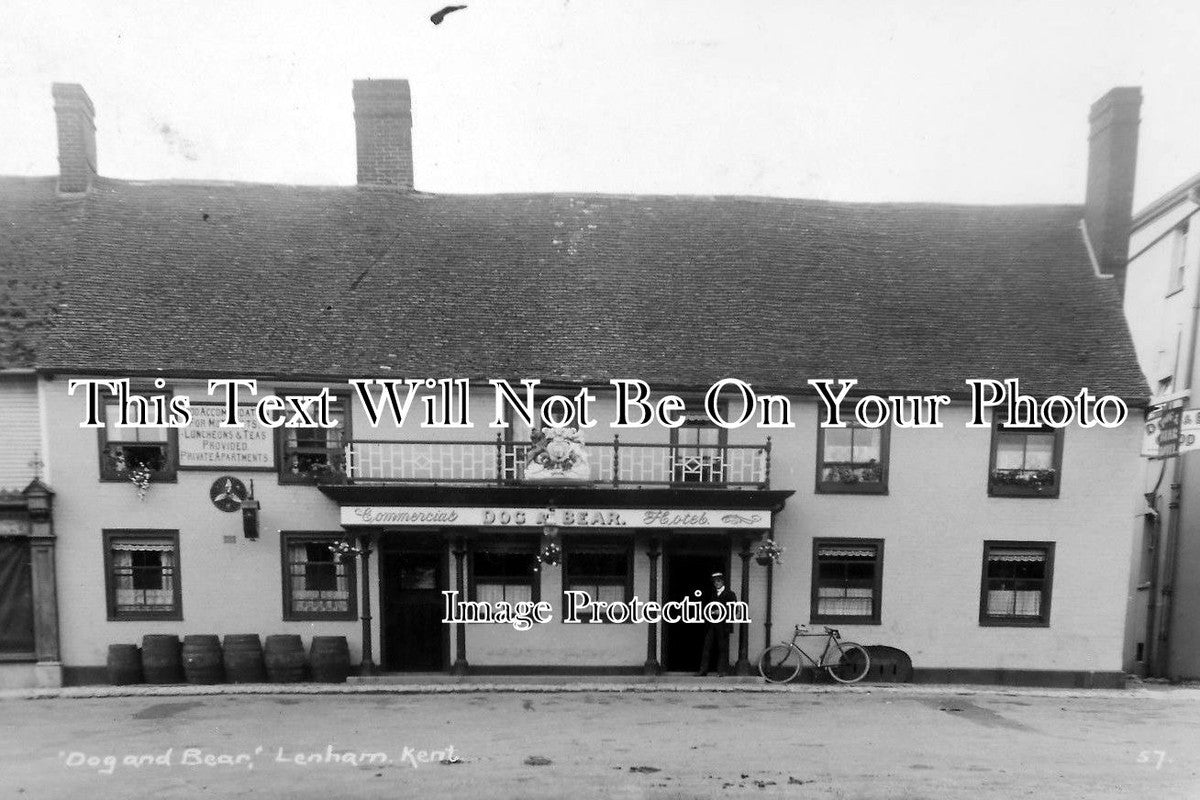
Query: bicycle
{"x": 845, "y": 662}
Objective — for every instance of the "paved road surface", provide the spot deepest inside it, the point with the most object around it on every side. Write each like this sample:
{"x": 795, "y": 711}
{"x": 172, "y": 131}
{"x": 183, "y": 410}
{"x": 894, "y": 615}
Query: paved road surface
{"x": 670, "y": 745}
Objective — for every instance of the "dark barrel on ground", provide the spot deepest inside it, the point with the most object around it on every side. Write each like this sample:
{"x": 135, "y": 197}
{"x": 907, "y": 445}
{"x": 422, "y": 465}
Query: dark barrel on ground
{"x": 124, "y": 664}
{"x": 162, "y": 661}
{"x": 244, "y": 658}
{"x": 284, "y": 657}
{"x": 330, "y": 659}
{"x": 202, "y": 661}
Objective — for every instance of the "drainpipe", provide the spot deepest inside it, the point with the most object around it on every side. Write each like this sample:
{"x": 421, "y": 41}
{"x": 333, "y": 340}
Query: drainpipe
{"x": 1170, "y": 555}
{"x": 1152, "y": 526}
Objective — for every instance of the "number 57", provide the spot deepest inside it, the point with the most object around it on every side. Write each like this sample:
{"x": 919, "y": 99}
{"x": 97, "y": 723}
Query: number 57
{"x": 1157, "y": 757}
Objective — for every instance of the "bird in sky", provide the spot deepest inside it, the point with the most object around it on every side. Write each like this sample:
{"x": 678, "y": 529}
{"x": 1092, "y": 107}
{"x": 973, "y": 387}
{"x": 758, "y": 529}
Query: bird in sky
{"x": 437, "y": 17}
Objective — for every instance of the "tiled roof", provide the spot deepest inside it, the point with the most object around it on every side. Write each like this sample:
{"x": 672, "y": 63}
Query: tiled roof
{"x": 35, "y": 245}
{"x": 681, "y": 291}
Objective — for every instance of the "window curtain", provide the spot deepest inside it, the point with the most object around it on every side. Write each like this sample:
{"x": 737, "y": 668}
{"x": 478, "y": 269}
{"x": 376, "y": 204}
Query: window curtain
{"x": 129, "y": 596}
{"x": 846, "y": 552}
{"x": 1013, "y": 602}
{"x": 847, "y": 597}
{"x": 16, "y": 597}
{"x": 512, "y": 592}
{"x": 305, "y": 599}
{"x": 846, "y": 601}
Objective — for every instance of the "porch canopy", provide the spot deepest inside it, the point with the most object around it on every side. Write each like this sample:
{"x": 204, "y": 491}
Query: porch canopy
{"x": 569, "y": 507}
{"x": 459, "y": 513}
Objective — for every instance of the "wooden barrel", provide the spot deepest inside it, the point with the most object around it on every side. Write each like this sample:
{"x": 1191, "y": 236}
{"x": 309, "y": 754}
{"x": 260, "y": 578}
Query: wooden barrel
{"x": 162, "y": 661}
{"x": 330, "y": 659}
{"x": 124, "y": 664}
{"x": 244, "y": 658}
{"x": 202, "y": 661}
{"x": 889, "y": 664}
{"x": 284, "y": 657}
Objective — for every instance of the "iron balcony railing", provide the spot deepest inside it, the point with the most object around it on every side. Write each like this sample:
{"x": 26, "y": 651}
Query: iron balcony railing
{"x": 615, "y": 463}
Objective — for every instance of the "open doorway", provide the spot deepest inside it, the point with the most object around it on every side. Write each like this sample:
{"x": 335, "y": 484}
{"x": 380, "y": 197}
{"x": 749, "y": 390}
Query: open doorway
{"x": 414, "y": 638}
{"x": 687, "y": 569}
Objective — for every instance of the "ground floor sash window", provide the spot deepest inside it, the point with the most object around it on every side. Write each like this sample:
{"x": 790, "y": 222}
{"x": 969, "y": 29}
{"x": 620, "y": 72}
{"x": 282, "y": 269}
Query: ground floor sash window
{"x": 505, "y": 572}
{"x": 142, "y": 574}
{"x": 1016, "y": 583}
{"x": 847, "y": 580}
{"x": 602, "y": 569}
{"x": 318, "y": 583}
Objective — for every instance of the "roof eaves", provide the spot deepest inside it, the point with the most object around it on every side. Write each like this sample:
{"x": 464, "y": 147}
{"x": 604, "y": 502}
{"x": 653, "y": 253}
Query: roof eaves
{"x": 1166, "y": 201}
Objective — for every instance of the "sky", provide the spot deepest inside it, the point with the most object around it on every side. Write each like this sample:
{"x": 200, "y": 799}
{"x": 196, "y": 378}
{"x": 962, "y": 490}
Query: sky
{"x": 923, "y": 100}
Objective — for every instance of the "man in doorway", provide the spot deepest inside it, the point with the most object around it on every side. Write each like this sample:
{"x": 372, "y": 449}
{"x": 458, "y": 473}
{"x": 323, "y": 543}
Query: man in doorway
{"x": 717, "y": 631}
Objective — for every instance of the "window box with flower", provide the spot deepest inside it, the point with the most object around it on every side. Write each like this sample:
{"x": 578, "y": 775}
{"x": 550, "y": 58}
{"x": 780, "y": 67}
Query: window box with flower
{"x": 315, "y": 455}
{"x": 852, "y": 460}
{"x": 139, "y": 455}
{"x": 1024, "y": 462}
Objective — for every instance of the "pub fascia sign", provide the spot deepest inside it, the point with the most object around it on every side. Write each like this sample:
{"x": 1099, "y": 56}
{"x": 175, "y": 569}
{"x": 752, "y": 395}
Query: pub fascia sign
{"x": 505, "y": 517}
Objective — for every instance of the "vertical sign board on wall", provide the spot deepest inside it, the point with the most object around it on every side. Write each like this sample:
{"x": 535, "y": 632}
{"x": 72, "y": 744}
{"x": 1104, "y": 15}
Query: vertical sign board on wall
{"x": 204, "y": 444}
{"x": 1160, "y": 438}
{"x": 1189, "y": 430}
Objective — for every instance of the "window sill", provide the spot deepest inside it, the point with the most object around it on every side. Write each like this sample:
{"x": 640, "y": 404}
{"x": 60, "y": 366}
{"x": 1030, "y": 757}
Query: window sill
{"x": 852, "y": 488}
{"x": 346, "y": 616}
{"x": 296, "y": 480}
{"x": 828, "y": 620}
{"x": 291, "y": 479}
{"x": 160, "y": 476}
{"x": 146, "y": 617}
{"x": 1012, "y": 622}
{"x": 1050, "y": 492}
{"x": 18, "y": 658}
{"x": 1173, "y": 292}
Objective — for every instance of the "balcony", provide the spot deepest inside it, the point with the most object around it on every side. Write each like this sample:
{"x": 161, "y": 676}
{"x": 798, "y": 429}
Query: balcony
{"x": 613, "y": 464}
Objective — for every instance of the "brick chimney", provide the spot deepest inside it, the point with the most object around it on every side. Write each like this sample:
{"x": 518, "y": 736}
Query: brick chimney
{"x": 383, "y": 122}
{"x": 1112, "y": 161}
{"x": 76, "y": 137}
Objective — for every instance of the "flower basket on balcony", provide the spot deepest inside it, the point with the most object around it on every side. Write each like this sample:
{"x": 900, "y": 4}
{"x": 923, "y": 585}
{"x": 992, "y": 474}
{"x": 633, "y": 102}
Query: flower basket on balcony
{"x": 768, "y": 552}
{"x": 556, "y": 454}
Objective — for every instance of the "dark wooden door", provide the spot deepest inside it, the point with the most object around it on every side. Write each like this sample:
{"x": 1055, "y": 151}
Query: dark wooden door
{"x": 686, "y": 572}
{"x": 413, "y": 633}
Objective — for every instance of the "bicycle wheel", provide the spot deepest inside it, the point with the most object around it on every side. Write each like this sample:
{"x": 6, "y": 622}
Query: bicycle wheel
{"x": 779, "y": 663}
{"x": 847, "y": 662}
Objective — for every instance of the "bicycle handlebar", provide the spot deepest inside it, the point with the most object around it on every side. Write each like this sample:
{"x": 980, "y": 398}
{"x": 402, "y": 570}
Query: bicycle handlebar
{"x": 834, "y": 632}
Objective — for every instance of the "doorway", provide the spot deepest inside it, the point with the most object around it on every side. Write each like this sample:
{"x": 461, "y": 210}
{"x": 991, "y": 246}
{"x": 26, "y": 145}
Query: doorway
{"x": 414, "y": 638}
{"x": 688, "y": 568}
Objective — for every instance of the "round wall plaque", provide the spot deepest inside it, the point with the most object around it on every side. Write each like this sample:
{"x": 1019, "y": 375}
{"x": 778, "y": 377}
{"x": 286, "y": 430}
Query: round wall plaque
{"x": 227, "y": 493}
